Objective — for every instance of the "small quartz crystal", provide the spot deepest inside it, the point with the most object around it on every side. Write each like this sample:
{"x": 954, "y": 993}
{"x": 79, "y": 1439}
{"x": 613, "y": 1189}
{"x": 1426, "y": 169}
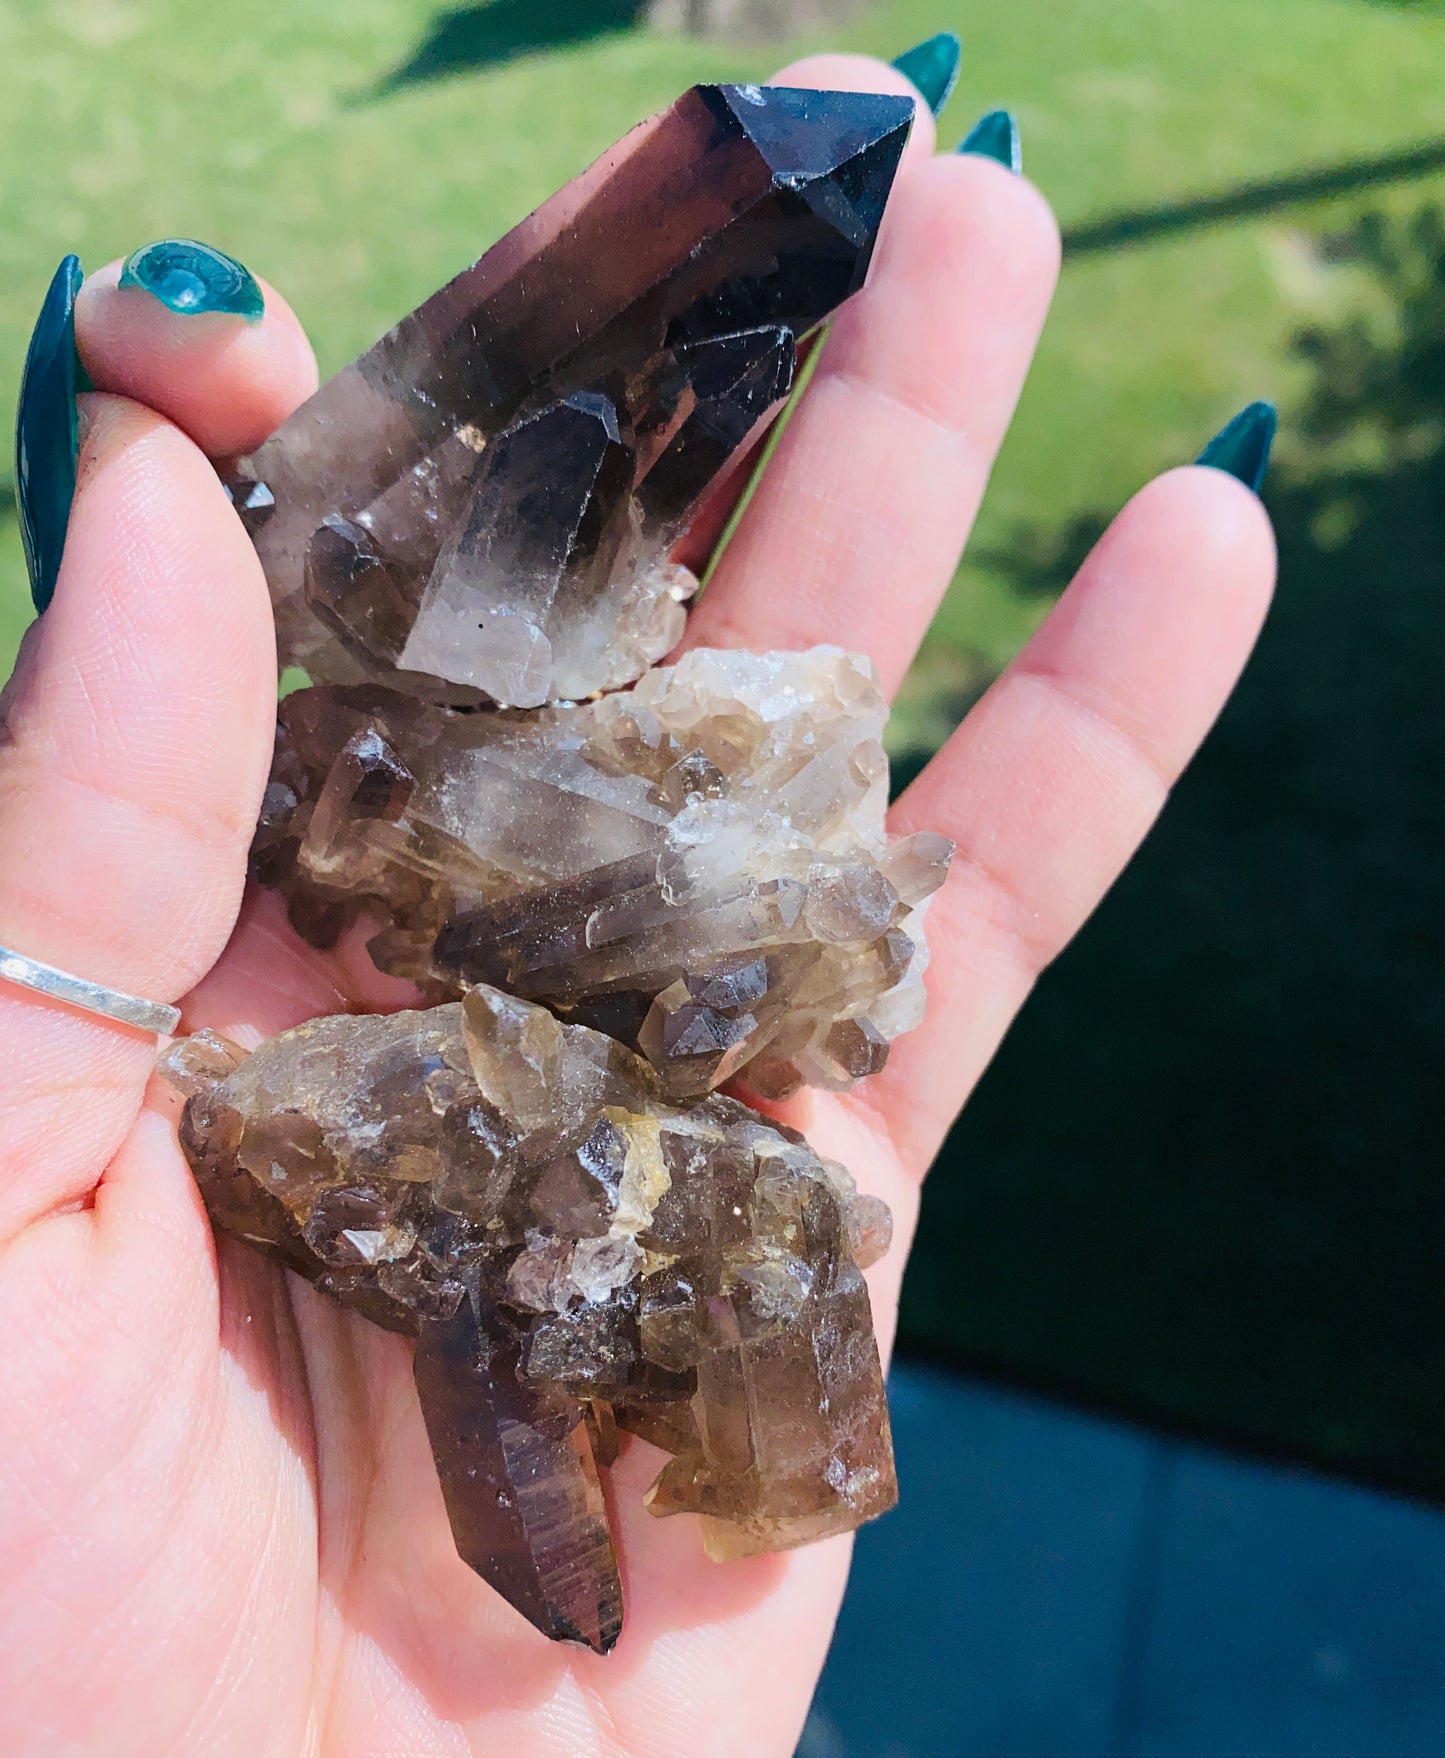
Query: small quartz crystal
{"x": 697, "y": 865}
{"x": 575, "y": 1255}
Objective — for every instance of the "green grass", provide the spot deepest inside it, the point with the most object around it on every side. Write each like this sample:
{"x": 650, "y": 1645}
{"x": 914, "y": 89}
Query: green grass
{"x": 132, "y": 119}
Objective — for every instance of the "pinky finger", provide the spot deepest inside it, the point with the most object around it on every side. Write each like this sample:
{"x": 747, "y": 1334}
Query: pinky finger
{"x": 1053, "y": 780}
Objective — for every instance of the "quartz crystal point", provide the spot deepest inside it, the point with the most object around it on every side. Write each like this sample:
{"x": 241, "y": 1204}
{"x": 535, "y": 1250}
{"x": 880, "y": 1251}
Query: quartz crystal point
{"x": 697, "y": 866}
{"x": 573, "y": 1254}
{"x": 480, "y": 508}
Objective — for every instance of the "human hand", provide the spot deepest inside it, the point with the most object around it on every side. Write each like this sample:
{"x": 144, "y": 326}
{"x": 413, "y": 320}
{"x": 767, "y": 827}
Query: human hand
{"x": 220, "y": 1528}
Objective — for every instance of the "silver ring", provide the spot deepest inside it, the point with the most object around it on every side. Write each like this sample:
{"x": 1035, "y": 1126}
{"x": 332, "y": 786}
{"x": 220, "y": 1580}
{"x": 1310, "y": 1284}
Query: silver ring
{"x": 45, "y": 979}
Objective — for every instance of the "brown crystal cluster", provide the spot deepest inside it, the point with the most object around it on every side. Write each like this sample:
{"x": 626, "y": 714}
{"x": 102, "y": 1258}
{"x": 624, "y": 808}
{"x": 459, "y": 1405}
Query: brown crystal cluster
{"x": 697, "y": 865}
{"x": 619, "y": 884}
{"x": 575, "y": 1255}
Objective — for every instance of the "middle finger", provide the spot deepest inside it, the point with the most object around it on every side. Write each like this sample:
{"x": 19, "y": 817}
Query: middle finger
{"x": 858, "y": 523}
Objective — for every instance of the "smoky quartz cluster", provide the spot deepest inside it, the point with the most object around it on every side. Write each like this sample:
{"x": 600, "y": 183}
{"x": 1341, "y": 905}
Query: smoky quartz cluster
{"x": 618, "y": 885}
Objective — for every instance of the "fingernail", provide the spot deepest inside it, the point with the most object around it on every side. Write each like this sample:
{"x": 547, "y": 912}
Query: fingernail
{"x": 46, "y": 433}
{"x": 192, "y": 278}
{"x": 933, "y": 67}
{"x": 996, "y": 136}
{"x": 1242, "y": 448}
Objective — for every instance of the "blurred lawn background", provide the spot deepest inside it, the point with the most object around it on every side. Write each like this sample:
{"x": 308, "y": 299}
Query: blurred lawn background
{"x": 1203, "y": 1181}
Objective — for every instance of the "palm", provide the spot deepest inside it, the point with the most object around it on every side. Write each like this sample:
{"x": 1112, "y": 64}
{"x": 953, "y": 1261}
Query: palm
{"x": 219, "y": 1525}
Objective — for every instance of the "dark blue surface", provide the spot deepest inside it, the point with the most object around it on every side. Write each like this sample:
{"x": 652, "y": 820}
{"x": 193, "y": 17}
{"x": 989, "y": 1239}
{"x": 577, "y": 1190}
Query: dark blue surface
{"x": 1292, "y": 1618}
{"x": 1058, "y": 1586}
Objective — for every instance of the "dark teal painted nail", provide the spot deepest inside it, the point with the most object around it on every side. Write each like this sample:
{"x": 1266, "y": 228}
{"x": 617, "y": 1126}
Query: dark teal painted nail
{"x": 933, "y": 67}
{"x": 1242, "y": 448}
{"x": 193, "y": 278}
{"x": 996, "y": 136}
{"x": 47, "y": 433}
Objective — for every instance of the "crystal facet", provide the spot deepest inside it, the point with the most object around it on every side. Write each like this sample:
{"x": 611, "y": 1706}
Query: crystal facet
{"x": 575, "y": 1255}
{"x": 697, "y": 865}
{"x": 406, "y": 525}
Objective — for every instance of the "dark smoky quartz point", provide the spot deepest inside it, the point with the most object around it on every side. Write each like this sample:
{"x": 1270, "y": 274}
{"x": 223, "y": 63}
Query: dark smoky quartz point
{"x": 404, "y": 516}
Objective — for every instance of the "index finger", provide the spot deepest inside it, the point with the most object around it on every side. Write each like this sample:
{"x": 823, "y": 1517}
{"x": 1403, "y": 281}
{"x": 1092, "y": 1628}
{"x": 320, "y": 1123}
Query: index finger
{"x": 134, "y": 743}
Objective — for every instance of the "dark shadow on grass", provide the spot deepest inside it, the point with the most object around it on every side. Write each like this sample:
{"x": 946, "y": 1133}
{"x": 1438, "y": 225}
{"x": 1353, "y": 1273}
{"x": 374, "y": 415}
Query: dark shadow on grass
{"x": 470, "y": 39}
{"x": 1201, "y": 1182}
{"x": 1249, "y": 200}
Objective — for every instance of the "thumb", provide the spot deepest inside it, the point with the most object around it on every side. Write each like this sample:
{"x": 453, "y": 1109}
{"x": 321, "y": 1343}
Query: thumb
{"x": 134, "y": 743}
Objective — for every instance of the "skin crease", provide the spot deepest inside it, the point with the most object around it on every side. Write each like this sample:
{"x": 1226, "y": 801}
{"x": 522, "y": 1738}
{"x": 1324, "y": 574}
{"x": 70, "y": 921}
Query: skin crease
{"x": 220, "y": 1531}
